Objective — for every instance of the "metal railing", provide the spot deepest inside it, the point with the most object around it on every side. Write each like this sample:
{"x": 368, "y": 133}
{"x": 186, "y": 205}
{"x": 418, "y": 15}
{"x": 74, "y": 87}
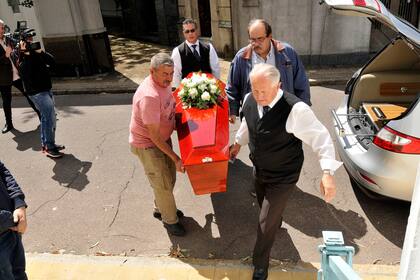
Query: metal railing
{"x": 336, "y": 259}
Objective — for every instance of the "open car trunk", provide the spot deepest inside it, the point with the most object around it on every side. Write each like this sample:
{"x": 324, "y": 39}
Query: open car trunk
{"x": 385, "y": 90}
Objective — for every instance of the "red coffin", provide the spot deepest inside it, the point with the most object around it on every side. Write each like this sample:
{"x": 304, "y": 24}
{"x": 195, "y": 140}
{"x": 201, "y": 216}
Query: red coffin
{"x": 203, "y": 137}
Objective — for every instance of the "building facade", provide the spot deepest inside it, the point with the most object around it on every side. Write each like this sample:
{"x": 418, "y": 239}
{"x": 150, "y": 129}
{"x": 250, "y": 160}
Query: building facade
{"x": 152, "y": 20}
{"x": 71, "y": 30}
{"x": 320, "y": 36}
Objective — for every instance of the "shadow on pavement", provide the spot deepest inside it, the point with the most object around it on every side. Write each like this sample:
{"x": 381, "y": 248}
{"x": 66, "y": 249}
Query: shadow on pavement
{"x": 70, "y": 172}
{"x": 230, "y": 232}
{"x": 27, "y": 140}
{"x": 132, "y": 52}
{"x": 393, "y": 227}
{"x": 65, "y": 103}
{"x": 336, "y": 87}
{"x": 311, "y": 215}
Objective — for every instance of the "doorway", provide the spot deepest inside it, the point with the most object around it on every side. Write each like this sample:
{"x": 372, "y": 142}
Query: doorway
{"x": 204, "y": 14}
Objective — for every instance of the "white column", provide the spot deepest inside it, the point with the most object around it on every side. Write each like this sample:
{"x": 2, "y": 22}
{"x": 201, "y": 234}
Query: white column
{"x": 410, "y": 258}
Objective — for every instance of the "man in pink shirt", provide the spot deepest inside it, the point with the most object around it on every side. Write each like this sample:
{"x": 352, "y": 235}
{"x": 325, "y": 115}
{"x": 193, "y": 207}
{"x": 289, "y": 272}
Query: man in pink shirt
{"x": 152, "y": 123}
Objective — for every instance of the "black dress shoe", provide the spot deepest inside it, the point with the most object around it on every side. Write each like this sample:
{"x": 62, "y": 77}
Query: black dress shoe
{"x": 260, "y": 274}
{"x": 7, "y": 128}
{"x": 175, "y": 229}
{"x": 158, "y": 215}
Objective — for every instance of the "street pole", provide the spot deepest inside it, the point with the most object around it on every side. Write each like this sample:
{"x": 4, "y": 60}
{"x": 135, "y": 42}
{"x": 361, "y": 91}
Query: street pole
{"x": 410, "y": 258}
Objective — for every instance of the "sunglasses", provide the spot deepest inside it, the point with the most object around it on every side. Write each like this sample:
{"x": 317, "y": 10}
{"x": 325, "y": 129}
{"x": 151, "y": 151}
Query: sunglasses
{"x": 189, "y": 31}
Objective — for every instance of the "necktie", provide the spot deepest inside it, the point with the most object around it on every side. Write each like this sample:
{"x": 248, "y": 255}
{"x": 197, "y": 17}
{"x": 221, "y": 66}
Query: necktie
{"x": 195, "y": 52}
{"x": 266, "y": 109}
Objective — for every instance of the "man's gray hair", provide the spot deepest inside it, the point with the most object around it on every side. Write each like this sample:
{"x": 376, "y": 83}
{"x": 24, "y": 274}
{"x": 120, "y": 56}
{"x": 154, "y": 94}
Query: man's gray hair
{"x": 161, "y": 59}
{"x": 189, "y": 21}
{"x": 1, "y": 22}
{"x": 266, "y": 70}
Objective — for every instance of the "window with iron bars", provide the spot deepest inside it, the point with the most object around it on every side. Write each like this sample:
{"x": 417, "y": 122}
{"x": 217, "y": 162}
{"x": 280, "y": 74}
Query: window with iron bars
{"x": 403, "y": 8}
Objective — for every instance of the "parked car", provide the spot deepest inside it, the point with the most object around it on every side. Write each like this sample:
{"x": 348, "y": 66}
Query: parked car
{"x": 377, "y": 125}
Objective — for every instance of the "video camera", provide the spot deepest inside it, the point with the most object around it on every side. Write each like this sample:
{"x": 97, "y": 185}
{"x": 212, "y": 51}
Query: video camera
{"x": 22, "y": 33}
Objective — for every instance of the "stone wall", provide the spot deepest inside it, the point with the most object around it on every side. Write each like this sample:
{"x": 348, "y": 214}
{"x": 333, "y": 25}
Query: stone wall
{"x": 319, "y": 36}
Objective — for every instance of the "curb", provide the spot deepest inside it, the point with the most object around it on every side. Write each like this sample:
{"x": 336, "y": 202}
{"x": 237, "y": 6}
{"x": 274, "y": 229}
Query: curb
{"x": 131, "y": 89}
{"x": 49, "y": 266}
{"x": 117, "y": 90}
{"x": 313, "y": 82}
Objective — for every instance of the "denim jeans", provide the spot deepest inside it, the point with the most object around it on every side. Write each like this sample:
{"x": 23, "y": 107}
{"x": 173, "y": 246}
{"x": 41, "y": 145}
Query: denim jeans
{"x": 12, "y": 257}
{"x": 44, "y": 102}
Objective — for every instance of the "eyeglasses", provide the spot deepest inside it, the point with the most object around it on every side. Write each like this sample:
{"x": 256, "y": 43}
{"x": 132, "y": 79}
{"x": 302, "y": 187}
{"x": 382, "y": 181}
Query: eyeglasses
{"x": 258, "y": 40}
{"x": 189, "y": 31}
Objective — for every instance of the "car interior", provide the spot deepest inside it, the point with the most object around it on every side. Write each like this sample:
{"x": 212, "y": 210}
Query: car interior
{"x": 385, "y": 89}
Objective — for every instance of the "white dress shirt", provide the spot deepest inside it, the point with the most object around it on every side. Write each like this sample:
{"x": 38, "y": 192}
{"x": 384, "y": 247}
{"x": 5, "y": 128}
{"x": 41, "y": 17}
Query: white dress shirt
{"x": 176, "y": 57}
{"x": 304, "y": 125}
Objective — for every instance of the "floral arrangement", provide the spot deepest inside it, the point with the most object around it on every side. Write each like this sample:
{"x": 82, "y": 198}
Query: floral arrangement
{"x": 199, "y": 91}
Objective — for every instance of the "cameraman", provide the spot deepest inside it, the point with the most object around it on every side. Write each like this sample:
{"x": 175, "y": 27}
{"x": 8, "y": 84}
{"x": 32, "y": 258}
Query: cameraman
{"x": 8, "y": 77}
{"x": 33, "y": 69}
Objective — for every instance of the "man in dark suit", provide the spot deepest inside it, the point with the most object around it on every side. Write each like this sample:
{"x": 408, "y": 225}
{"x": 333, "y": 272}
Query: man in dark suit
{"x": 8, "y": 77}
{"x": 274, "y": 126}
{"x": 193, "y": 55}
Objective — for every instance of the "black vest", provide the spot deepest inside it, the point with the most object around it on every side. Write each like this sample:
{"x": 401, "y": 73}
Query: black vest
{"x": 190, "y": 63}
{"x": 276, "y": 154}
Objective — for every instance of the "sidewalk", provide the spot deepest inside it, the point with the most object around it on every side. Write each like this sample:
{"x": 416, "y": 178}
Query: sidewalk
{"x": 132, "y": 60}
{"x": 126, "y": 82}
{"x": 52, "y": 267}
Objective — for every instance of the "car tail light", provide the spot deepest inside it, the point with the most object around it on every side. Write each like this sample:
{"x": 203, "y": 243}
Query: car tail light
{"x": 368, "y": 3}
{"x": 398, "y": 142}
{"x": 359, "y": 3}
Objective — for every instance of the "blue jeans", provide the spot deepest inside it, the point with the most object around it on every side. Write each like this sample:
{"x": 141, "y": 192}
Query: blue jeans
{"x": 12, "y": 257}
{"x": 44, "y": 102}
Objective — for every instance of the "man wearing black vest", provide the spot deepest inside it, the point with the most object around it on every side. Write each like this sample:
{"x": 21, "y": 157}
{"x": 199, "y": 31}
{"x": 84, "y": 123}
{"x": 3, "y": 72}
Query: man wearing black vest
{"x": 193, "y": 55}
{"x": 274, "y": 126}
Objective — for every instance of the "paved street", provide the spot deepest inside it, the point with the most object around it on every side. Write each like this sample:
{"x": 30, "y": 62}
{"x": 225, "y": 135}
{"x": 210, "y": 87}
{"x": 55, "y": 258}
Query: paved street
{"x": 97, "y": 200}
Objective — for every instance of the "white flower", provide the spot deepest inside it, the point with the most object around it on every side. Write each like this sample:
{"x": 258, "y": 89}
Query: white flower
{"x": 202, "y": 86}
{"x": 212, "y": 81}
{"x": 205, "y": 96}
{"x": 181, "y": 93}
{"x": 213, "y": 88}
{"x": 185, "y": 81}
{"x": 195, "y": 78}
{"x": 193, "y": 92}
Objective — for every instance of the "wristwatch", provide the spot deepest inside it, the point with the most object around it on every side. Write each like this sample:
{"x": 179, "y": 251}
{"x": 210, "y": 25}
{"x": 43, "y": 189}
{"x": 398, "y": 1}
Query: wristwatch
{"x": 328, "y": 171}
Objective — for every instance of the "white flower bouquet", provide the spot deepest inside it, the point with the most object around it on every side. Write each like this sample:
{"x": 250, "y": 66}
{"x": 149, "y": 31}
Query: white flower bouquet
{"x": 199, "y": 91}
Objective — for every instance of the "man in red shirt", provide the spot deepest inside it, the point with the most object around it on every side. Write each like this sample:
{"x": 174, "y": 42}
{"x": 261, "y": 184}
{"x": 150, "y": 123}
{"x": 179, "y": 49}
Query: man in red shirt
{"x": 151, "y": 126}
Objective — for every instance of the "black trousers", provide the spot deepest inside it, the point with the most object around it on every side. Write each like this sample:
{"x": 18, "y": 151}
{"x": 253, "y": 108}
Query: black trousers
{"x": 272, "y": 198}
{"x": 12, "y": 257}
{"x": 6, "y": 95}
